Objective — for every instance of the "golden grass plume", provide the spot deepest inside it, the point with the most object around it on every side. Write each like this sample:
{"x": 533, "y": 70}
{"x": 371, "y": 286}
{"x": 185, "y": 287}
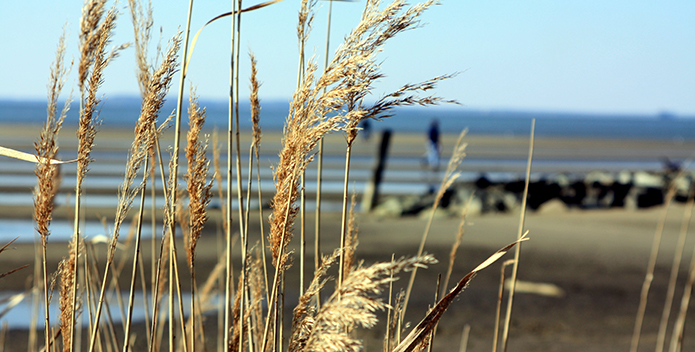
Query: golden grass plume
{"x": 199, "y": 188}
{"x": 355, "y": 303}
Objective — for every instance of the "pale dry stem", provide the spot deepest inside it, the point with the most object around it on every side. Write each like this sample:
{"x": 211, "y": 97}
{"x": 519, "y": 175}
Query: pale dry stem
{"x": 457, "y": 242}
{"x": 351, "y": 240}
{"x": 255, "y": 118}
{"x": 422, "y": 331}
{"x": 93, "y": 61}
{"x": 145, "y": 137}
{"x": 517, "y": 250}
{"x": 46, "y": 149}
{"x": 449, "y": 177}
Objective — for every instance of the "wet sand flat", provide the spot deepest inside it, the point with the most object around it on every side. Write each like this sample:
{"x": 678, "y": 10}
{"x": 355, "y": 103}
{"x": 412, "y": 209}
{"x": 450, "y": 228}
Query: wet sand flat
{"x": 597, "y": 257}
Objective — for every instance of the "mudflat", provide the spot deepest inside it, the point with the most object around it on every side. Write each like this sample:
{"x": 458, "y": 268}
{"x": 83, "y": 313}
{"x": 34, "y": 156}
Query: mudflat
{"x": 597, "y": 258}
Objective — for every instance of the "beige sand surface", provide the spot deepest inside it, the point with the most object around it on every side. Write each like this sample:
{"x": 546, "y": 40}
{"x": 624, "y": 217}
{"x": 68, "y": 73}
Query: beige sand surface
{"x": 598, "y": 258}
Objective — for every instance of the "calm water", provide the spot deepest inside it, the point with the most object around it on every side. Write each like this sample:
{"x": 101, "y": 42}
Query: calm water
{"x": 124, "y": 112}
{"x": 20, "y": 316}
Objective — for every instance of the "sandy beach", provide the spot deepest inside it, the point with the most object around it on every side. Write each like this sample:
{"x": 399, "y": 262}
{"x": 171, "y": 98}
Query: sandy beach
{"x": 598, "y": 258}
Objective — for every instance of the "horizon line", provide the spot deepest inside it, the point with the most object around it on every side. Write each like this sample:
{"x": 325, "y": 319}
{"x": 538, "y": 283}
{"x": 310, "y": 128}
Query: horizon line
{"x": 663, "y": 113}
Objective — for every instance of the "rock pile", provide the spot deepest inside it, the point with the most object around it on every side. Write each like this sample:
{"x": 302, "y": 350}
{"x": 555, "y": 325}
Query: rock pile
{"x": 594, "y": 190}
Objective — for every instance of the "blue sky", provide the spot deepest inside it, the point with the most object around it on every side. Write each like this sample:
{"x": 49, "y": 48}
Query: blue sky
{"x": 570, "y": 56}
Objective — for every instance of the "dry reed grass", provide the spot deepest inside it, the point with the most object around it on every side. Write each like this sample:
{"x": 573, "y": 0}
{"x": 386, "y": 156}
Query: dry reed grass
{"x": 354, "y": 304}
{"x": 95, "y": 36}
{"x": 520, "y": 235}
{"x": 199, "y": 192}
{"x": 255, "y": 86}
{"x": 449, "y": 177}
{"x": 325, "y": 102}
{"x": 199, "y": 189}
{"x": 48, "y": 174}
{"x": 422, "y": 330}
{"x": 144, "y": 141}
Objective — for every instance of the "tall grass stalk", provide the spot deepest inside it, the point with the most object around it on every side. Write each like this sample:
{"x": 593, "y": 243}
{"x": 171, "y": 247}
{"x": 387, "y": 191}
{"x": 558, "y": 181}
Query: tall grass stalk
{"x": 47, "y": 173}
{"x": 142, "y": 24}
{"x": 199, "y": 194}
{"x": 306, "y": 18}
{"x": 253, "y": 150}
{"x": 319, "y": 166}
{"x": 651, "y": 265}
{"x": 343, "y": 215}
{"x": 143, "y": 143}
{"x": 235, "y": 63}
{"x": 94, "y": 37}
{"x": 306, "y": 124}
{"x": 423, "y": 330}
{"x": 452, "y": 256}
{"x": 675, "y": 267}
{"x": 32, "y": 340}
{"x": 389, "y": 314}
{"x": 302, "y": 318}
{"x": 3, "y": 335}
{"x": 234, "y": 90}
{"x": 450, "y": 177}
{"x": 498, "y": 310}
{"x": 245, "y": 264}
{"x": 464, "y": 338}
{"x": 143, "y": 284}
{"x": 174, "y": 273}
{"x": 430, "y": 343}
{"x": 136, "y": 262}
{"x": 256, "y": 145}
{"x": 351, "y": 241}
{"x": 230, "y": 141}
{"x": 158, "y": 282}
{"x": 153, "y": 215}
{"x": 517, "y": 251}
{"x": 174, "y": 190}
{"x": 457, "y": 242}
{"x": 88, "y": 288}
{"x": 679, "y": 326}
{"x": 397, "y": 321}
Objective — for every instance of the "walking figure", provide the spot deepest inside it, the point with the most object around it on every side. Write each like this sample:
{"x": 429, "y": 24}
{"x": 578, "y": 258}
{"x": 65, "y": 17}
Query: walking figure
{"x": 366, "y": 129}
{"x": 433, "y": 154}
{"x": 433, "y": 147}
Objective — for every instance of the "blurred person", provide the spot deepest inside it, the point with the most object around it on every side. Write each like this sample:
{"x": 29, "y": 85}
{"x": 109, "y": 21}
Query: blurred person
{"x": 366, "y": 127}
{"x": 433, "y": 154}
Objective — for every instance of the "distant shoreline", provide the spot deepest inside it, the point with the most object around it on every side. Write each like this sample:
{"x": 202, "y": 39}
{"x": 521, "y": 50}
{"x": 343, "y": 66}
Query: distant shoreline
{"x": 121, "y": 112}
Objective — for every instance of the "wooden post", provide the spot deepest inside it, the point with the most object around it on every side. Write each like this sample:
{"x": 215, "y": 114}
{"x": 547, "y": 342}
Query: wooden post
{"x": 371, "y": 192}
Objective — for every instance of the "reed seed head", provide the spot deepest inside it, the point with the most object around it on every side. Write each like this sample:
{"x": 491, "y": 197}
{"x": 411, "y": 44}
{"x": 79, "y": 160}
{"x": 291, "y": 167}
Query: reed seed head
{"x": 255, "y": 105}
{"x": 199, "y": 189}
{"x": 354, "y": 304}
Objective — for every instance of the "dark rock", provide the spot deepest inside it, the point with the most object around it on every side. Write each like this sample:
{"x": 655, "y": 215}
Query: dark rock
{"x": 540, "y": 192}
{"x": 650, "y": 197}
{"x": 482, "y": 182}
{"x": 620, "y": 192}
{"x": 574, "y": 195}
{"x": 515, "y": 187}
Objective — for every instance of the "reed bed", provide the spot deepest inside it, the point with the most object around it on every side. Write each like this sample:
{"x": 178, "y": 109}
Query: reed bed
{"x": 332, "y": 100}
